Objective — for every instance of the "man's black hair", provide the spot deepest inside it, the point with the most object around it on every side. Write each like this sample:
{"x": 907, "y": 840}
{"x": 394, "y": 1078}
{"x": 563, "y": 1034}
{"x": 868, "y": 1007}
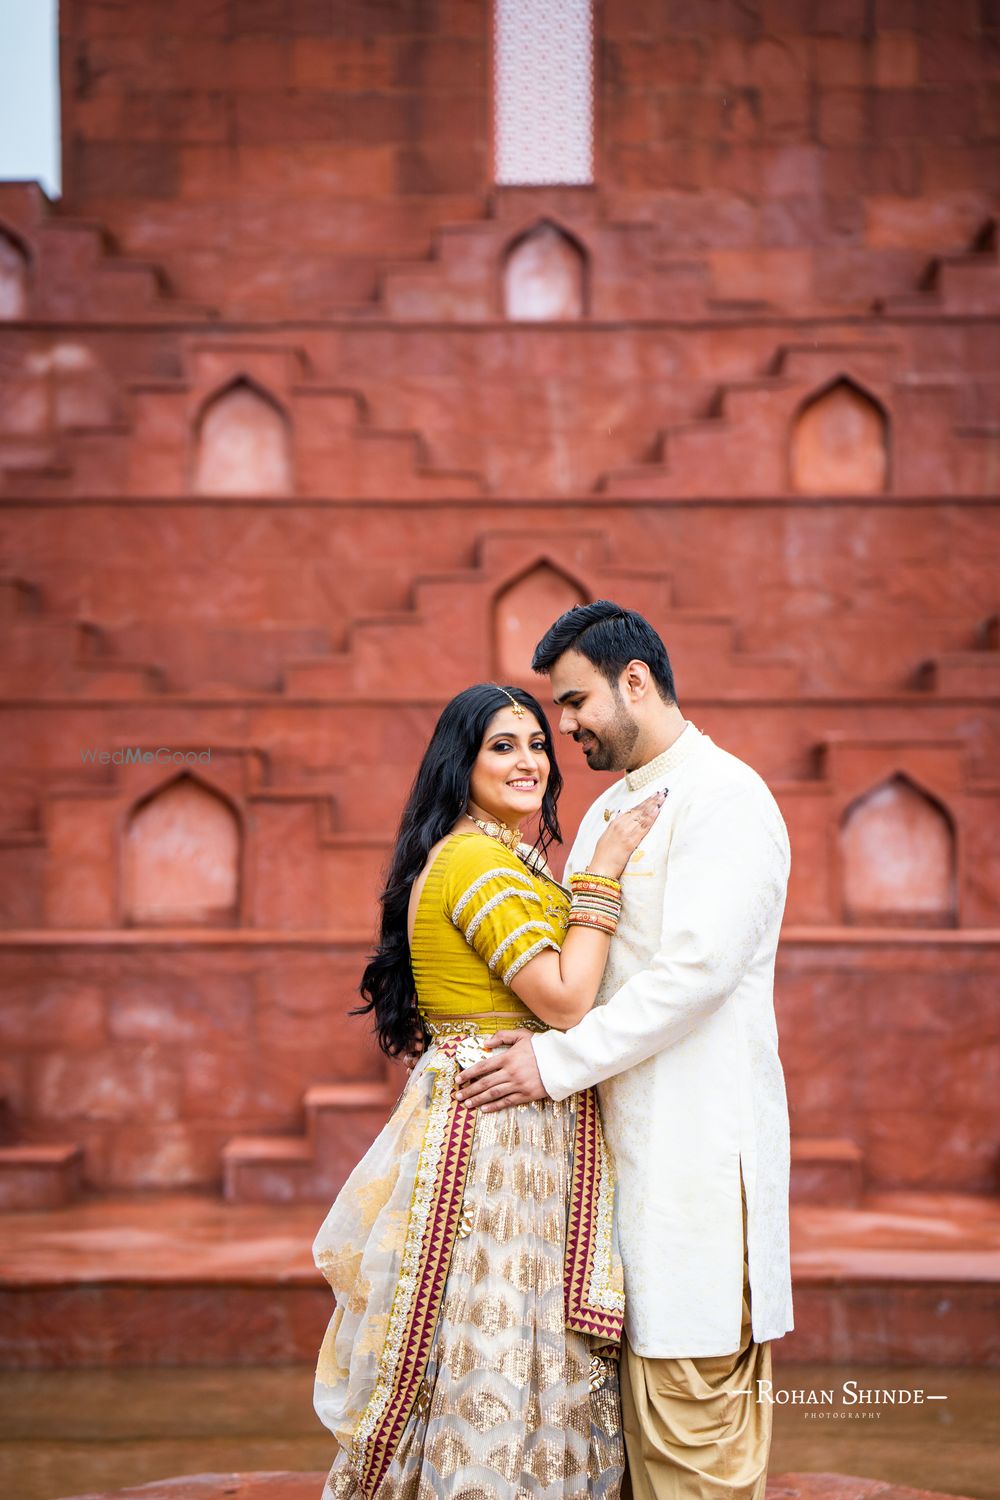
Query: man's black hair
{"x": 609, "y": 637}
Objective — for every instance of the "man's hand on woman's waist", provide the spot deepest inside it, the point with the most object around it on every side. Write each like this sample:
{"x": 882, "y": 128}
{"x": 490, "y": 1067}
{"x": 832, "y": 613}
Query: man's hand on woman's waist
{"x": 510, "y": 1077}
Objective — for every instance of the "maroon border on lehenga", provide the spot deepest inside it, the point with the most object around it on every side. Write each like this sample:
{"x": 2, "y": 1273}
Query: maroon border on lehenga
{"x": 435, "y": 1258}
{"x": 589, "y": 1181}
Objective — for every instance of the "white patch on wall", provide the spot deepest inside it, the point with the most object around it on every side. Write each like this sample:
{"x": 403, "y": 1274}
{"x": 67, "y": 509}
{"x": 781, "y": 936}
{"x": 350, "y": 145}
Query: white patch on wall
{"x": 544, "y": 91}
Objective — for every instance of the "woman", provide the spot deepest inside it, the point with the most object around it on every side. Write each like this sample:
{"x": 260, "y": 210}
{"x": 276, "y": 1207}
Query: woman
{"x": 474, "y": 1256}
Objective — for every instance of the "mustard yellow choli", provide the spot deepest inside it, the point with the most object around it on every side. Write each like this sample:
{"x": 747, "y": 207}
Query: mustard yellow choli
{"x": 474, "y": 1256}
{"x": 482, "y": 915}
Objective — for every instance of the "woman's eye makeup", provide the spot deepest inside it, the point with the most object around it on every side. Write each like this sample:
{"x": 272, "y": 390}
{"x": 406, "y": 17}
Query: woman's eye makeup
{"x": 538, "y": 746}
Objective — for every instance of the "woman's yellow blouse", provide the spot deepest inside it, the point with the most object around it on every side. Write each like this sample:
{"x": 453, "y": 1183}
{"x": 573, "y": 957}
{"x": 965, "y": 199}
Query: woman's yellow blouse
{"x": 482, "y": 915}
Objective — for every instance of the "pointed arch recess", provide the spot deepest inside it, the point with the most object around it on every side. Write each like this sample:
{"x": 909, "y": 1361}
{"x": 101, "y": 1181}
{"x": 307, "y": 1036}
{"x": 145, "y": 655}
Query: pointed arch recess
{"x": 839, "y": 442}
{"x": 243, "y": 443}
{"x": 522, "y": 612}
{"x": 898, "y": 857}
{"x": 182, "y": 857}
{"x": 544, "y": 275}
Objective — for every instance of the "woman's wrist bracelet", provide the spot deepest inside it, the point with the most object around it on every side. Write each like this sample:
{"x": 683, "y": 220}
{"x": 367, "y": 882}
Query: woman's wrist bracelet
{"x": 603, "y": 922}
{"x": 597, "y": 901}
{"x": 589, "y": 879}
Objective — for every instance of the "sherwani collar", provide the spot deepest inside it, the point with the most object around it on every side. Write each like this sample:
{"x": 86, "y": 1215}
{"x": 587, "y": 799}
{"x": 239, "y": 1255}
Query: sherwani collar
{"x": 689, "y": 739}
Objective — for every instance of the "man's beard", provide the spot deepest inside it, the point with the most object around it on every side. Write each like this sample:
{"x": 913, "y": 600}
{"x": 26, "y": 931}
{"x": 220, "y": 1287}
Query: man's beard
{"x": 611, "y": 750}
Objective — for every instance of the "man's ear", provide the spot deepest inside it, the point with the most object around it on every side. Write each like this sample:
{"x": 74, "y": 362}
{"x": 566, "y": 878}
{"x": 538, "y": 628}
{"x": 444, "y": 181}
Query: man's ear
{"x": 637, "y": 678}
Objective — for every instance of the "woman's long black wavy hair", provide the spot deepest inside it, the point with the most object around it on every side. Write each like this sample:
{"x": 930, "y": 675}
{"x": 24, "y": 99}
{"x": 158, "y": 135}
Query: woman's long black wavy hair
{"x": 439, "y": 795}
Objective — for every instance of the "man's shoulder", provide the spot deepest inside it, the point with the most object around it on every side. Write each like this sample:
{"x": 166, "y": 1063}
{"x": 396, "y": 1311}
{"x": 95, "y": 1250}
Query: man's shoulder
{"x": 722, "y": 768}
{"x": 720, "y": 771}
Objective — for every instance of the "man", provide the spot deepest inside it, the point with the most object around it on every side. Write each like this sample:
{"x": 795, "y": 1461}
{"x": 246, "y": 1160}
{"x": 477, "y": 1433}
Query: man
{"x": 682, "y": 1043}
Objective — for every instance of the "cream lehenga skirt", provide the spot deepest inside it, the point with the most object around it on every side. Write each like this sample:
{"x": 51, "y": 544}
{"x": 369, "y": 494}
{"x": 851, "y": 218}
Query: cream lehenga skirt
{"x": 473, "y": 1350}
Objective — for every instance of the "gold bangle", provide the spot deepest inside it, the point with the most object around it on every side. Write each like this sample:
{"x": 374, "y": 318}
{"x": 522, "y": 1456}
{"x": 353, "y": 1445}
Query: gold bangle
{"x": 588, "y": 879}
{"x": 599, "y": 920}
{"x": 595, "y": 903}
{"x": 584, "y": 892}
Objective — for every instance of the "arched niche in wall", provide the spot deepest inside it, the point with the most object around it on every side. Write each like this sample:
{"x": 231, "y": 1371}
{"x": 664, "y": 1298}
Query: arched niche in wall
{"x": 181, "y": 865}
{"x": 840, "y": 443}
{"x": 897, "y": 855}
{"x": 523, "y": 612}
{"x": 545, "y": 276}
{"x": 243, "y": 444}
{"x": 13, "y": 276}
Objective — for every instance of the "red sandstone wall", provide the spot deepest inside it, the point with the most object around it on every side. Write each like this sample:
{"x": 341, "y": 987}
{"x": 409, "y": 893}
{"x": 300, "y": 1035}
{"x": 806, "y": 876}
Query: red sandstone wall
{"x": 284, "y": 490}
{"x": 842, "y": 142}
{"x": 835, "y": 136}
{"x": 184, "y": 126}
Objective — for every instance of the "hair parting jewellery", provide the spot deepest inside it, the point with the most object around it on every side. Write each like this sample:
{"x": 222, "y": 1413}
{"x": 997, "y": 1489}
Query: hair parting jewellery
{"x": 518, "y": 708}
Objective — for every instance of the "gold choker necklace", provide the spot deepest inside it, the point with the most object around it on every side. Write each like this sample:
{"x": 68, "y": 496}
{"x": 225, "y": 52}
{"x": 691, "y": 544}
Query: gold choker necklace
{"x": 511, "y": 839}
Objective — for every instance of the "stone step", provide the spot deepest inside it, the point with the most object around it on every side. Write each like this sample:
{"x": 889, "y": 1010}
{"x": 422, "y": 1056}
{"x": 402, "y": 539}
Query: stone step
{"x": 47, "y": 652}
{"x": 342, "y": 1120}
{"x": 907, "y": 1278}
{"x": 827, "y": 1170}
{"x": 405, "y": 647}
{"x": 964, "y": 674}
{"x": 38, "y": 1176}
{"x": 970, "y": 286}
{"x": 118, "y": 679}
{"x": 37, "y": 643}
{"x": 18, "y": 598}
{"x": 76, "y": 274}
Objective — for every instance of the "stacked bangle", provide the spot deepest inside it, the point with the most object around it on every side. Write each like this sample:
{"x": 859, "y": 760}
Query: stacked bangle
{"x": 597, "y": 901}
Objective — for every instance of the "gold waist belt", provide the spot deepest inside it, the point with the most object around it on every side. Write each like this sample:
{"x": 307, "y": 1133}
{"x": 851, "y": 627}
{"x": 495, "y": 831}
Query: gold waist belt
{"x": 483, "y": 1025}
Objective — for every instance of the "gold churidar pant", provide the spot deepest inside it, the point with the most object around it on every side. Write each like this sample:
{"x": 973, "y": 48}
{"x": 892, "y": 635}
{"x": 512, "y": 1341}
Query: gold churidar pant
{"x": 688, "y": 1436}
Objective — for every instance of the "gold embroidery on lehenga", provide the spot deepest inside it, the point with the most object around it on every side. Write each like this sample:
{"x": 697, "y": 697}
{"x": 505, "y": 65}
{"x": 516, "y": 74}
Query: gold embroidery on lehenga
{"x": 465, "y": 1224}
{"x": 328, "y": 1367}
{"x": 486, "y": 1024}
{"x": 422, "y": 1401}
{"x": 434, "y": 1209}
{"x": 340, "y": 1266}
{"x": 373, "y": 1196}
{"x": 360, "y": 1292}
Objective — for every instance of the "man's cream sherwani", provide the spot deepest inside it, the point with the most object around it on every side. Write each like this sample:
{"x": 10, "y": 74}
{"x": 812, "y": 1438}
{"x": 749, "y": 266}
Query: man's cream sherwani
{"x": 684, "y": 1046}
